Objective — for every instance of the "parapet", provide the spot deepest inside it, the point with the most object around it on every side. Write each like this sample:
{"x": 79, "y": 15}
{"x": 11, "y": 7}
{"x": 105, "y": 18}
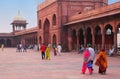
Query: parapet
{"x": 44, "y": 4}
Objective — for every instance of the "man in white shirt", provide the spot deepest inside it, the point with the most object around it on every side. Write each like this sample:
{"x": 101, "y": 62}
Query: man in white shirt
{"x": 59, "y": 48}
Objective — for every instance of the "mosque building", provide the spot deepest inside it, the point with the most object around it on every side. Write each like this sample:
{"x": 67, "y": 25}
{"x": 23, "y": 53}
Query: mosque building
{"x": 78, "y": 22}
{"x": 71, "y": 23}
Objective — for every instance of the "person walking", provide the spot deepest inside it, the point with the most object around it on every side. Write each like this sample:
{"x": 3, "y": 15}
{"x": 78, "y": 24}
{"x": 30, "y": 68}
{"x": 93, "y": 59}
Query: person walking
{"x": 43, "y": 48}
{"x": 59, "y": 49}
{"x": 54, "y": 49}
{"x": 81, "y": 49}
{"x": 101, "y": 61}
{"x": 24, "y": 48}
{"x": 21, "y": 47}
{"x": 2, "y": 47}
{"x": 48, "y": 52}
{"x": 18, "y": 48}
{"x": 86, "y": 62}
{"x": 92, "y": 54}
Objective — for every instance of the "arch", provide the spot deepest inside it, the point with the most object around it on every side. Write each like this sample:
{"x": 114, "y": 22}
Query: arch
{"x": 118, "y": 37}
{"x": 74, "y": 39}
{"x": 54, "y": 41}
{"x": 46, "y": 32}
{"x": 98, "y": 38}
{"x": 8, "y": 42}
{"x": 88, "y": 36}
{"x": 40, "y": 24}
{"x": 118, "y": 28}
{"x": 109, "y": 36}
{"x": 54, "y": 20}
{"x": 81, "y": 37}
{"x": 2, "y": 41}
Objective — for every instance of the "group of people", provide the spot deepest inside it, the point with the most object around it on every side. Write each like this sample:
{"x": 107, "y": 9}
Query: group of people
{"x": 45, "y": 51}
{"x": 89, "y": 57}
{"x": 21, "y": 48}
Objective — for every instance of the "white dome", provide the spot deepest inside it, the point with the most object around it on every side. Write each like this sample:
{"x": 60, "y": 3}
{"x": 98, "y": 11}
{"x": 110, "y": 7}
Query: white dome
{"x": 18, "y": 17}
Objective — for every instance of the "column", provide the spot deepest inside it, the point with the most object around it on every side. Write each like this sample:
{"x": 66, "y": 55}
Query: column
{"x": 77, "y": 39}
{"x": 115, "y": 38}
{"x": 93, "y": 38}
{"x": 103, "y": 37}
{"x": 84, "y": 33}
{"x": 69, "y": 40}
{"x": 13, "y": 28}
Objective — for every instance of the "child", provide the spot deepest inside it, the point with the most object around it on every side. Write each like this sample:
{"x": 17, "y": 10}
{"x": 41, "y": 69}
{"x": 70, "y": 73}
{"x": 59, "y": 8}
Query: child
{"x": 86, "y": 62}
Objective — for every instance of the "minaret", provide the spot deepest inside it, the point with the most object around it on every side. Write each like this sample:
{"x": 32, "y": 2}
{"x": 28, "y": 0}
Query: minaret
{"x": 19, "y": 23}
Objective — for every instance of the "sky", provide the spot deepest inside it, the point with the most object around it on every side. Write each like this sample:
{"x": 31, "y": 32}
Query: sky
{"x": 28, "y": 10}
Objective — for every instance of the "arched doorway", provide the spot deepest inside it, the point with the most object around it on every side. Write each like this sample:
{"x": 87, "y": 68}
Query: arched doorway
{"x": 109, "y": 37}
{"x": 54, "y": 41}
{"x": 98, "y": 38}
{"x": 118, "y": 28}
{"x": 54, "y": 20}
{"x": 118, "y": 38}
{"x": 46, "y": 32}
{"x": 2, "y": 41}
{"x": 88, "y": 36}
{"x": 81, "y": 37}
{"x": 8, "y": 43}
{"x": 74, "y": 40}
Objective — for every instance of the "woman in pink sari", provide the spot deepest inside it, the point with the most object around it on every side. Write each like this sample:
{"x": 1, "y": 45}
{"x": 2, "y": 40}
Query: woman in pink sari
{"x": 86, "y": 62}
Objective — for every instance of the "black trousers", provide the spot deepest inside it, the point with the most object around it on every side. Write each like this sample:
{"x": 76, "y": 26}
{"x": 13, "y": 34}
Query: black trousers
{"x": 43, "y": 55}
{"x": 92, "y": 63}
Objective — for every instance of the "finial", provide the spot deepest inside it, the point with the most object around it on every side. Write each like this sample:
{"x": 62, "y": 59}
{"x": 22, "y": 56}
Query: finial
{"x": 18, "y": 12}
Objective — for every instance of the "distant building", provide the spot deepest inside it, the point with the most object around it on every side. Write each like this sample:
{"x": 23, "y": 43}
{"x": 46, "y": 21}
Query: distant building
{"x": 19, "y": 34}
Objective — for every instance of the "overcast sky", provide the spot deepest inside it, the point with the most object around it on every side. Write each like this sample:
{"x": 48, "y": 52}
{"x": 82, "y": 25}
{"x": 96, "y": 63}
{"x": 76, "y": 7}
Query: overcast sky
{"x": 9, "y": 9}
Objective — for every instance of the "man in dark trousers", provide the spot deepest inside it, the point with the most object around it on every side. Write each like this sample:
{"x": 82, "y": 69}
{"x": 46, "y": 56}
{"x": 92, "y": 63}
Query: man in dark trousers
{"x": 43, "y": 48}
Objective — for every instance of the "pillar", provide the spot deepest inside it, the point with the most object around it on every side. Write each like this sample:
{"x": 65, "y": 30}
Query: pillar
{"x": 103, "y": 36}
{"x": 115, "y": 37}
{"x": 77, "y": 39}
{"x": 69, "y": 40}
{"x": 84, "y": 33}
{"x": 93, "y": 37}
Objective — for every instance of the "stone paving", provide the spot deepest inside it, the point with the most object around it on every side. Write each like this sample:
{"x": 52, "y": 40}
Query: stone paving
{"x": 29, "y": 65}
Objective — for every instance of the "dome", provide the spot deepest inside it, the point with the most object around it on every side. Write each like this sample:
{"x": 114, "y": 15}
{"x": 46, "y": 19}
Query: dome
{"x": 18, "y": 17}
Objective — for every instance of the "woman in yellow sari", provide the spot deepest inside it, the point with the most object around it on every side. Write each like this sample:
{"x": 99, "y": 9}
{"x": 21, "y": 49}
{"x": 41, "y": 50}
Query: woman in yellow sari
{"x": 101, "y": 61}
{"x": 48, "y": 52}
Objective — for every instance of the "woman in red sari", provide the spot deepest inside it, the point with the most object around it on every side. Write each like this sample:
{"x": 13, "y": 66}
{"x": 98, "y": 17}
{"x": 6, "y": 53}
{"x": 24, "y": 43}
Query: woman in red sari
{"x": 101, "y": 62}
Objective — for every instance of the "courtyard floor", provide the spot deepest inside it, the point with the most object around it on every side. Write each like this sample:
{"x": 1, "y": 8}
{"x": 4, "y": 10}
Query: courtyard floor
{"x": 29, "y": 65}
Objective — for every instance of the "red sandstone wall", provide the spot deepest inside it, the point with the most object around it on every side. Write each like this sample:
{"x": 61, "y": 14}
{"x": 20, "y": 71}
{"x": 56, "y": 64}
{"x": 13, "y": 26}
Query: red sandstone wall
{"x": 63, "y": 9}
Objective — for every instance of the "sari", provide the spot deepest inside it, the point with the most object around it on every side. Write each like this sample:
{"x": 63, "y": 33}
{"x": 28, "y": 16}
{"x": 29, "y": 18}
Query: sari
{"x": 101, "y": 62}
{"x": 86, "y": 62}
{"x": 48, "y": 53}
